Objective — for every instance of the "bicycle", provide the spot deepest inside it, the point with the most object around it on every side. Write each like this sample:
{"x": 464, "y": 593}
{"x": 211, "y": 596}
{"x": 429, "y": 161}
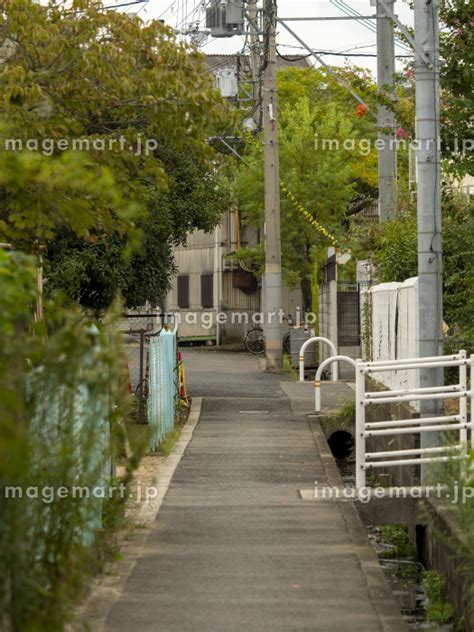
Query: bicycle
{"x": 255, "y": 341}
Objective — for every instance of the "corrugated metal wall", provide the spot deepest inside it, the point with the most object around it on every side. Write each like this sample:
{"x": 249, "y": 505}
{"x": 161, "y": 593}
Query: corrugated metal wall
{"x": 207, "y": 253}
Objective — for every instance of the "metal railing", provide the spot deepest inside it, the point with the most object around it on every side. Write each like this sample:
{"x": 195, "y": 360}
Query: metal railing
{"x": 317, "y": 380}
{"x": 441, "y": 424}
{"x": 307, "y": 344}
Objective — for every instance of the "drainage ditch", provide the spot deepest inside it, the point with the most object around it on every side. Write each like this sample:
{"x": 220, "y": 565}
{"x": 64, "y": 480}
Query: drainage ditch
{"x": 408, "y": 579}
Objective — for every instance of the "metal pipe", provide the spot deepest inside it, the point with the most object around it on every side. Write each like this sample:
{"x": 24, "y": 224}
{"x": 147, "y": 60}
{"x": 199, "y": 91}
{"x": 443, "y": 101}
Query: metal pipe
{"x": 309, "y": 342}
{"x": 414, "y": 430}
{"x": 319, "y": 372}
{"x": 463, "y": 401}
{"x": 425, "y": 365}
{"x": 435, "y": 459}
{"x": 399, "y": 423}
{"x": 412, "y": 398}
{"x": 472, "y": 401}
{"x": 379, "y": 363}
{"x": 141, "y": 376}
{"x": 390, "y": 453}
{"x": 360, "y": 426}
{"x": 441, "y": 389}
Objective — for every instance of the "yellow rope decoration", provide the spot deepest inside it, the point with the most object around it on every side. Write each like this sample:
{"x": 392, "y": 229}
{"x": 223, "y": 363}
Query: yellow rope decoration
{"x": 319, "y": 227}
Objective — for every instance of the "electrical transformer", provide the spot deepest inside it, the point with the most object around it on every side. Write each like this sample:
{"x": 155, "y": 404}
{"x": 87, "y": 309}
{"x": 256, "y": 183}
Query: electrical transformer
{"x": 227, "y": 83}
{"x": 225, "y": 18}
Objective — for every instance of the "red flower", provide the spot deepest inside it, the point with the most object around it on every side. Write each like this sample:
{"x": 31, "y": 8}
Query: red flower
{"x": 361, "y": 110}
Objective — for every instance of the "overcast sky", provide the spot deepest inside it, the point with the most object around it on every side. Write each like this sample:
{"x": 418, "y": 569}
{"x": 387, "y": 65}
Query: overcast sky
{"x": 341, "y": 36}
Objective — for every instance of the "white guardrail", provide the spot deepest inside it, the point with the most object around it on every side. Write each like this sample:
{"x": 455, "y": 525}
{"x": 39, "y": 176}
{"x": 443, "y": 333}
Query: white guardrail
{"x": 364, "y": 430}
{"x": 308, "y": 343}
{"x": 441, "y": 424}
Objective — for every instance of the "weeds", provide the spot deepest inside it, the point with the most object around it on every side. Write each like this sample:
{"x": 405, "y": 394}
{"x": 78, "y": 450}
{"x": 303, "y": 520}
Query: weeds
{"x": 438, "y": 609}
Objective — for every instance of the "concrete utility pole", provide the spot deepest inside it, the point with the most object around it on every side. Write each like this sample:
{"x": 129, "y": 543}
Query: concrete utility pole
{"x": 430, "y": 247}
{"x": 272, "y": 283}
{"x": 385, "y": 117}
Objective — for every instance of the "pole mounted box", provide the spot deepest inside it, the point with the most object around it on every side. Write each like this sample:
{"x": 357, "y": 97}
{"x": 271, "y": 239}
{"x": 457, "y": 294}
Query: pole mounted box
{"x": 225, "y": 18}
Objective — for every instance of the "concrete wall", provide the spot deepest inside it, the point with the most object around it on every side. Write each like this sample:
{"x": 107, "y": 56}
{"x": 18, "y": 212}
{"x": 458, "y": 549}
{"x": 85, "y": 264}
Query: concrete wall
{"x": 328, "y": 316}
{"x": 390, "y": 330}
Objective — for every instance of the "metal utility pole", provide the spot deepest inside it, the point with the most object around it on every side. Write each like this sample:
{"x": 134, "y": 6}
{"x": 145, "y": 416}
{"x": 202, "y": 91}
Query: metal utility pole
{"x": 430, "y": 247}
{"x": 387, "y": 154}
{"x": 272, "y": 283}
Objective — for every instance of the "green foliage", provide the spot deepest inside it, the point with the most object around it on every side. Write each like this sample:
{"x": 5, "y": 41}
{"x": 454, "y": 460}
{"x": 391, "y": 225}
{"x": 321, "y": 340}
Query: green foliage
{"x": 393, "y": 248}
{"x": 457, "y": 478}
{"x": 347, "y": 412}
{"x": 92, "y": 274}
{"x": 42, "y": 194}
{"x": 438, "y": 609}
{"x": 396, "y": 254}
{"x": 397, "y": 535}
{"x": 457, "y": 81}
{"x": 92, "y": 88}
{"x": 327, "y": 180}
{"x": 61, "y": 395}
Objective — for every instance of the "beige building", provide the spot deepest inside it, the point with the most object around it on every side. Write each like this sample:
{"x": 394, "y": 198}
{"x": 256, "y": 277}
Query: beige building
{"x": 217, "y": 299}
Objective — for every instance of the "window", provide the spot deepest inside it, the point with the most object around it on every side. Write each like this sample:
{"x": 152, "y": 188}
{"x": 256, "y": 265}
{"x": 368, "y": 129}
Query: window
{"x": 207, "y": 290}
{"x": 183, "y": 291}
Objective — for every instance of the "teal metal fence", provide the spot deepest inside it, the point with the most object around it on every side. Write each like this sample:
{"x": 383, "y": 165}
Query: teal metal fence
{"x": 162, "y": 386}
{"x": 70, "y": 442}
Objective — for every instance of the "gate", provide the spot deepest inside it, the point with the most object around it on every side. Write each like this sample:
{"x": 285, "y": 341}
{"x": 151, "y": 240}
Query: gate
{"x": 348, "y": 315}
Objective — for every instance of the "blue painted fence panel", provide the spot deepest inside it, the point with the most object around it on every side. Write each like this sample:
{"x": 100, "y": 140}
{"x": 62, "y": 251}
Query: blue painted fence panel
{"x": 162, "y": 387}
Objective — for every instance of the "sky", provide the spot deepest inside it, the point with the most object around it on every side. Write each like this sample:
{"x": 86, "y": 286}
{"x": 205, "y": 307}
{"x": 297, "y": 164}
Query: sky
{"x": 338, "y": 36}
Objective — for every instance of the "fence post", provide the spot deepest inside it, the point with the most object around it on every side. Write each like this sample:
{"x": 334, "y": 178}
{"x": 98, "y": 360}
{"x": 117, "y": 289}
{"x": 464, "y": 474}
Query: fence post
{"x": 472, "y": 401}
{"x": 463, "y": 400}
{"x": 360, "y": 425}
{"x": 140, "y": 376}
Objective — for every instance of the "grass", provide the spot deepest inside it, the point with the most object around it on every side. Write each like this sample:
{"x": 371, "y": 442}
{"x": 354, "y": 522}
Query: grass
{"x": 288, "y": 367}
{"x": 438, "y": 609}
{"x": 397, "y": 535}
{"x": 170, "y": 440}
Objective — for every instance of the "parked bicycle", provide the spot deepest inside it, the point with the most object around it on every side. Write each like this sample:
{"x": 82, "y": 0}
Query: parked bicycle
{"x": 255, "y": 340}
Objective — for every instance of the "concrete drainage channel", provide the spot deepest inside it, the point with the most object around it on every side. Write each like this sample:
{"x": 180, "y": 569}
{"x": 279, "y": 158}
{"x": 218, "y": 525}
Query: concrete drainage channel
{"x": 406, "y": 575}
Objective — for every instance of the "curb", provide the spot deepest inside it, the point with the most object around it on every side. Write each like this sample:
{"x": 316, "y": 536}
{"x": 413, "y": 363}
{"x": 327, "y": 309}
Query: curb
{"x": 150, "y": 509}
{"x": 383, "y": 600}
{"x": 106, "y": 589}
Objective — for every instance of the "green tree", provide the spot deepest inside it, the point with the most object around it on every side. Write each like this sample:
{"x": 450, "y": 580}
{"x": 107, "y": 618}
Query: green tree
{"x": 457, "y": 80}
{"x": 329, "y": 178}
{"x": 91, "y": 274}
{"x": 393, "y": 248}
{"x": 121, "y": 113}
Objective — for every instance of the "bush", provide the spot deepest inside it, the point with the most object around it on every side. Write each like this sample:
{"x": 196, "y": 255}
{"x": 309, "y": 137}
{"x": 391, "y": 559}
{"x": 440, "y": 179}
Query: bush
{"x": 61, "y": 398}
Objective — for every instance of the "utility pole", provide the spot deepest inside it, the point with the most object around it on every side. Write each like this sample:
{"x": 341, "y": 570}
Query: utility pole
{"x": 387, "y": 154}
{"x": 430, "y": 246}
{"x": 254, "y": 48}
{"x": 272, "y": 282}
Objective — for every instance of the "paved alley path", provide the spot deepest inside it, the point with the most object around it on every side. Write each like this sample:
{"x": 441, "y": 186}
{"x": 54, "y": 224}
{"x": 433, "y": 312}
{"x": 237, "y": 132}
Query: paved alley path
{"x": 234, "y": 547}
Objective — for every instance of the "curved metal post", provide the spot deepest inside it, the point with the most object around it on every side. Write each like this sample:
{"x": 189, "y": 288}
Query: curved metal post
{"x": 319, "y": 372}
{"x": 309, "y": 342}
